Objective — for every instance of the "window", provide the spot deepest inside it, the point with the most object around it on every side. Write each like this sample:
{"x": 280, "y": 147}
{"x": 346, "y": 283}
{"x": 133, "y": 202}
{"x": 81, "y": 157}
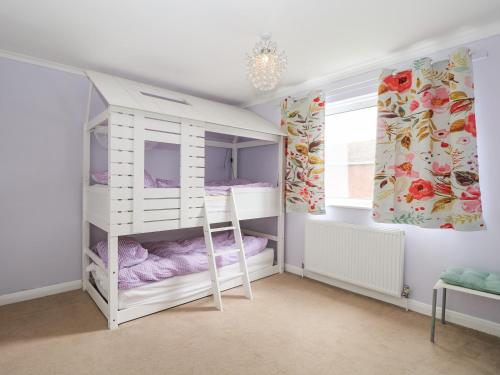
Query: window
{"x": 350, "y": 134}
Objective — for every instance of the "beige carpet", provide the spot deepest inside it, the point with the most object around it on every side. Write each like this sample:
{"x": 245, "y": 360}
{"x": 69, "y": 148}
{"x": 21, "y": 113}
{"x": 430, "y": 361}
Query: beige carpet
{"x": 293, "y": 326}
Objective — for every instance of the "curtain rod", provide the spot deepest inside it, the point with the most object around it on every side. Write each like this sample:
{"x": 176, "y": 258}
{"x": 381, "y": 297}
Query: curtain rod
{"x": 476, "y": 56}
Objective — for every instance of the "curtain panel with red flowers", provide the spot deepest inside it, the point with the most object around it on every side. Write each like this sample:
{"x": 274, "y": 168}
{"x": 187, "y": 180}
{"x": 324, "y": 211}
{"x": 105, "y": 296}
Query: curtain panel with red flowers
{"x": 426, "y": 170}
{"x": 304, "y": 120}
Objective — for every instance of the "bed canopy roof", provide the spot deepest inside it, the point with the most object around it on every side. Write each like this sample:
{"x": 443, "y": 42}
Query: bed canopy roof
{"x": 125, "y": 93}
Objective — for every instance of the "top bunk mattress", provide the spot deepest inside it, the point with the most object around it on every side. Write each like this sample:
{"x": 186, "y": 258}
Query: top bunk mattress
{"x": 211, "y": 188}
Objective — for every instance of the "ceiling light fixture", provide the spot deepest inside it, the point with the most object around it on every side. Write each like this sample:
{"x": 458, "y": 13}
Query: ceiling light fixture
{"x": 265, "y": 65}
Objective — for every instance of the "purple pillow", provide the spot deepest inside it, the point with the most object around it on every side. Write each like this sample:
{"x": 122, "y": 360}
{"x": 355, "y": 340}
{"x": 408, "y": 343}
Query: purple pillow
{"x": 130, "y": 252}
{"x": 163, "y": 183}
{"x": 149, "y": 181}
{"x": 102, "y": 179}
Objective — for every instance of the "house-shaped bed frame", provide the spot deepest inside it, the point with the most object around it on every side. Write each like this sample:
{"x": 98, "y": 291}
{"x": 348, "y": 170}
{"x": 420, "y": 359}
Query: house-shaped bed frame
{"x": 136, "y": 113}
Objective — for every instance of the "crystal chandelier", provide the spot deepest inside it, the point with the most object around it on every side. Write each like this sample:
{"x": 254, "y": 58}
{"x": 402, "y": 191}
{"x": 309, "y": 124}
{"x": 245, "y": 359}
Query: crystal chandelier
{"x": 265, "y": 65}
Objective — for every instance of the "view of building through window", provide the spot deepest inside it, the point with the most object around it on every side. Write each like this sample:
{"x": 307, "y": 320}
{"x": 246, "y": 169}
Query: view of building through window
{"x": 350, "y": 155}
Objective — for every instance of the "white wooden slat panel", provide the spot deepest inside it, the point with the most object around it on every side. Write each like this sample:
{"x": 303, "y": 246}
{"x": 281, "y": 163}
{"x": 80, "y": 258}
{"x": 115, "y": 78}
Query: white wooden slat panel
{"x": 126, "y": 193}
{"x": 197, "y": 161}
{"x": 100, "y": 221}
{"x": 154, "y": 215}
{"x": 122, "y": 144}
{"x": 117, "y": 156}
{"x": 138, "y": 178}
{"x": 195, "y": 192}
{"x": 157, "y": 215}
{"x": 161, "y": 204}
{"x": 121, "y": 217}
{"x": 195, "y": 212}
{"x": 122, "y": 169}
{"x": 121, "y": 193}
{"x": 196, "y": 141}
{"x": 121, "y": 119}
{"x": 97, "y": 203}
{"x": 123, "y": 131}
{"x": 196, "y": 172}
{"x": 162, "y": 126}
{"x": 197, "y": 131}
{"x": 196, "y": 151}
{"x": 219, "y": 216}
{"x": 195, "y": 202}
{"x": 152, "y": 226}
{"x": 192, "y": 170}
{"x": 156, "y": 226}
{"x": 154, "y": 136}
{"x": 162, "y": 193}
{"x": 121, "y": 205}
{"x": 257, "y": 202}
{"x": 195, "y": 182}
{"x": 120, "y": 229}
{"x": 121, "y": 181}
{"x": 193, "y": 222}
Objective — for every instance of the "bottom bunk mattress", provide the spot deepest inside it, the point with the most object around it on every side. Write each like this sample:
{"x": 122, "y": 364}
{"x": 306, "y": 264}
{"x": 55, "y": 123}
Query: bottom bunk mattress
{"x": 179, "y": 287}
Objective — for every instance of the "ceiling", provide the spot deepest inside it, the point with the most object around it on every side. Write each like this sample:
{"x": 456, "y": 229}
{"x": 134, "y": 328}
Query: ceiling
{"x": 199, "y": 47}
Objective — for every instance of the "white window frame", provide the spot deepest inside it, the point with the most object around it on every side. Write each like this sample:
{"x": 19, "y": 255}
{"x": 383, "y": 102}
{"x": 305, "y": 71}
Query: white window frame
{"x": 342, "y": 106}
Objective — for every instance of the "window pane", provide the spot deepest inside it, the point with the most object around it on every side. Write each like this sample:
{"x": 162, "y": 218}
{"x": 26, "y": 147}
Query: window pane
{"x": 350, "y": 154}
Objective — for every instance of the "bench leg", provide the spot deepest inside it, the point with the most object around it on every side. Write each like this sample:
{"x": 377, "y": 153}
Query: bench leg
{"x": 443, "y": 307}
{"x": 433, "y": 319}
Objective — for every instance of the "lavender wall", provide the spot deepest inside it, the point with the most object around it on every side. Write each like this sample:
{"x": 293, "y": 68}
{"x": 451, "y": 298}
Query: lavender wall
{"x": 430, "y": 251}
{"x": 259, "y": 163}
{"x": 40, "y": 171}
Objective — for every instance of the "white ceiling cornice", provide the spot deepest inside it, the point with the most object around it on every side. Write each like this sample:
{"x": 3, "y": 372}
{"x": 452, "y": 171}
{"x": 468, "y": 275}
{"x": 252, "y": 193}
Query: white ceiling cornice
{"x": 41, "y": 62}
{"x": 425, "y": 48}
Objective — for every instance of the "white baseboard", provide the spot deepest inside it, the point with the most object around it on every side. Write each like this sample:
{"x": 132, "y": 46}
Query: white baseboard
{"x": 398, "y": 301}
{"x": 39, "y": 292}
{"x": 454, "y": 317}
{"x": 469, "y": 321}
{"x": 294, "y": 269}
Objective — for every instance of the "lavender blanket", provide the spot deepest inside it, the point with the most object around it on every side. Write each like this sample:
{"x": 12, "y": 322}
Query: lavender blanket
{"x": 211, "y": 188}
{"x": 166, "y": 259}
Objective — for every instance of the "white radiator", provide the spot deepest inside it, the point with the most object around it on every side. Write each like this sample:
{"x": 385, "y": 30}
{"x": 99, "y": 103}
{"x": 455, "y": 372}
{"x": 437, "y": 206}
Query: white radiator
{"x": 366, "y": 257}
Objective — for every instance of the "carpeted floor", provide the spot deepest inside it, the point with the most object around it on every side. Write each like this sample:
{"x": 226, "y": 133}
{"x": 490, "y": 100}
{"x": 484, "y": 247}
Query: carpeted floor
{"x": 293, "y": 326}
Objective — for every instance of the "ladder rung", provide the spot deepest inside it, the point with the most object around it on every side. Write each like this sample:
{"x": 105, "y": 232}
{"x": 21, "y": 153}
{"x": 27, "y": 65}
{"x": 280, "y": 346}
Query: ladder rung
{"x": 224, "y": 252}
{"x": 212, "y": 230}
{"x": 230, "y": 277}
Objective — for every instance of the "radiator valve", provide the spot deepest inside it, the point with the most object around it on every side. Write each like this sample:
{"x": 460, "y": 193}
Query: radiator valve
{"x": 406, "y": 291}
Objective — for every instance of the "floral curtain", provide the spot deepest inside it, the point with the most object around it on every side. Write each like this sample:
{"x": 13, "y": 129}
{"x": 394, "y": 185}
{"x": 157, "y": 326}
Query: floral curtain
{"x": 304, "y": 120}
{"x": 426, "y": 170}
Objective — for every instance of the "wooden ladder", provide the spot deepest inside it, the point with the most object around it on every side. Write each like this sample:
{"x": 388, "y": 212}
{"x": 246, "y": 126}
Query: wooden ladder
{"x": 212, "y": 254}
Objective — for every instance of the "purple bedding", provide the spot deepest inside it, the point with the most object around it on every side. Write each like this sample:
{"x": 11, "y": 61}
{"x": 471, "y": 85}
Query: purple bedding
{"x": 211, "y": 188}
{"x": 140, "y": 264}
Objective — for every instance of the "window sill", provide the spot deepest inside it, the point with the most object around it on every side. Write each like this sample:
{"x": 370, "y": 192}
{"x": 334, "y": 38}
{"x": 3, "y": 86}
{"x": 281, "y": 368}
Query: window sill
{"x": 361, "y": 204}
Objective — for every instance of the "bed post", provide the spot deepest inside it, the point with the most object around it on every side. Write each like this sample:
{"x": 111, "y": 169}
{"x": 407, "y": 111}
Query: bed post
{"x": 113, "y": 242}
{"x": 85, "y": 184}
{"x": 234, "y": 157}
{"x": 113, "y": 281}
{"x": 281, "y": 217}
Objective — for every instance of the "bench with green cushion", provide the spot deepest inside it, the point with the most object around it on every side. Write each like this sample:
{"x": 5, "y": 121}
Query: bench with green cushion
{"x": 464, "y": 280}
{"x": 470, "y": 278}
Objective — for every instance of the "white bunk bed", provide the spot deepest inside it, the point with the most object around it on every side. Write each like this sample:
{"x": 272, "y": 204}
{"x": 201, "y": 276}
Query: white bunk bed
{"x": 136, "y": 113}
